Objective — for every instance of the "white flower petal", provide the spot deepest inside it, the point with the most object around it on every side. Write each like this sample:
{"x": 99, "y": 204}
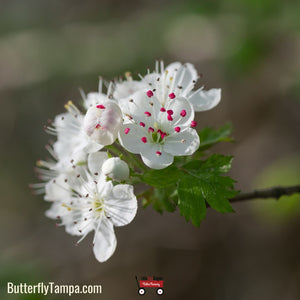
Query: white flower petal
{"x": 155, "y": 161}
{"x": 127, "y": 88}
{"x": 185, "y": 77}
{"x": 105, "y": 241}
{"x": 93, "y": 99}
{"x": 96, "y": 160}
{"x": 132, "y": 141}
{"x": 121, "y": 205}
{"x": 205, "y": 100}
{"x": 181, "y": 143}
{"x": 178, "y": 105}
{"x": 57, "y": 189}
{"x": 138, "y": 105}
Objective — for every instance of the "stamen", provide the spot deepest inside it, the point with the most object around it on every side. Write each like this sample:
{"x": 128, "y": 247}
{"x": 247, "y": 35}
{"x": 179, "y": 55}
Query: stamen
{"x": 150, "y": 129}
{"x": 126, "y": 131}
{"x": 162, "y": 109}
{"x": 97, "y": 126}
{"x": 193, "y": 124}
{"x": 149, "y": 94}
{"x": 172, "y": 96}
{"x": 183, "y": 113}
{"x": 158, "y": 153}
{"x": 177, "y": 129}
{"x": 100, "y": 106}
{"x": 170, "y": 118}
{"x": 170, "y": 112}
{"x": 142, "y": 124}
{"x": 147, "y": 113}
{"x": 144, "y": 139}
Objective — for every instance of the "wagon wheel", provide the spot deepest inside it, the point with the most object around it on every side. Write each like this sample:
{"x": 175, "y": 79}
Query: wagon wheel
{"x": 142, "y": 291}
{"x": 159, "y": 291}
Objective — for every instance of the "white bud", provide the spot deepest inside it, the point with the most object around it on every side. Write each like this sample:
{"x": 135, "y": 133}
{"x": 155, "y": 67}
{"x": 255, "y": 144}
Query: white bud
{"x": 102, "y": 122}
{"x": 116, "y": 169}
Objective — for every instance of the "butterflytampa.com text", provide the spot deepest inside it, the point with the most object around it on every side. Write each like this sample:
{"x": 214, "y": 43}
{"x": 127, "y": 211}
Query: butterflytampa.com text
{"x": 52, "y": 288}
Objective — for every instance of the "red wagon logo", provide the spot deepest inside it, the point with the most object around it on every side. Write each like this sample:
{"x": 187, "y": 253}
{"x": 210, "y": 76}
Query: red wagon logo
{"x": 150, "y": 282}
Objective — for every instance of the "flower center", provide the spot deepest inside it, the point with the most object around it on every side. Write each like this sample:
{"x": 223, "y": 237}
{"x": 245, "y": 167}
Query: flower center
{"x": 98, "y": 206}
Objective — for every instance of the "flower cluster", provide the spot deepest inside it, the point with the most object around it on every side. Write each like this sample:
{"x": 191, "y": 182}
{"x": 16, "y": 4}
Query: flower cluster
{"x": 153, "y": 117}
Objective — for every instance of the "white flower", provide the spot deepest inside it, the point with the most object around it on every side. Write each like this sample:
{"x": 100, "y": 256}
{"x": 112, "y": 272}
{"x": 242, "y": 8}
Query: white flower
{"x": 86, "y": 202}
{"x": 115, "y": 168}
{"x": 124, "y": 89}
{"x": 102, "y": 122}
{"x": 157, "y": 131}
{"x": 72, "y": 142}
{"x": 178, "y": 79}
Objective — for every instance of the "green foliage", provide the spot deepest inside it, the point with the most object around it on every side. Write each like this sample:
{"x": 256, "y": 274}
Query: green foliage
{"x": 163, "y": 199}
{"x": 192, "y": 187}
{"x": 161, "y": 178}
{"x": 193, "y": 184}
{"x": 203, "y": 184}
{"x": 211, "y": 136}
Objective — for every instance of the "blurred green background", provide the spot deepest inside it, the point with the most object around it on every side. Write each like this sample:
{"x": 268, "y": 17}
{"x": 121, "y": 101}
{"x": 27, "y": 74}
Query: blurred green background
{"x": 250, "y": 48}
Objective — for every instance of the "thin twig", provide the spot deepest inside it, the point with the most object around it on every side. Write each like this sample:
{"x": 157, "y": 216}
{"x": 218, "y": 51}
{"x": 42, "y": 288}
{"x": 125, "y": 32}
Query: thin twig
{"x": 274, "y": 192}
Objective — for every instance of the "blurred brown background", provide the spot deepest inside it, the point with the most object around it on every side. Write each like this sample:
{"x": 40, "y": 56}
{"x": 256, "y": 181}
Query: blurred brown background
{"x": 251, "y": 49}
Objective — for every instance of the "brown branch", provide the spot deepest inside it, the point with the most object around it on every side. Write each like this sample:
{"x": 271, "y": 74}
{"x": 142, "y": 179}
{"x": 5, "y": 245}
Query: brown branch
{"x": 274, "y": 192}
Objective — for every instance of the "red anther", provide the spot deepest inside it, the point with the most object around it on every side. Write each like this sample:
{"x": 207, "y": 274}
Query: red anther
{"x": 144, "y": 139}
{"x": 172, "y": 96}
{"x": 149, "y": 93}
{"x": 162, "y": 135}
{"x": 170, "y": 118}
{"x": 183, "y": 113}
{"x": 100, "y": 106}
{"x": 151, "y": 129}
{"x": 177, "y": 129}
{"x": 162, "y": 109}
{"x": 126, "y": 130}
{"x": 158, "y": 153}
{"x": 147, "y": 113}
{"x": 97, "y": 126}
{"x": 170, "y": 112}
{"x": 142, "y": 124}
{"x": 193, "y": 124}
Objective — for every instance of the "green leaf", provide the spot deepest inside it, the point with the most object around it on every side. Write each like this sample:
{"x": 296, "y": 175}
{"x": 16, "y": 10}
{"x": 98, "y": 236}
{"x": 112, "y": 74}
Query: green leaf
{"x": 203, "y": 183}
{"x": 163, "y": 200}
{"x": 191, "y": 205}
{"x": 162, "y": 178}
{"x": 210, "y": 136}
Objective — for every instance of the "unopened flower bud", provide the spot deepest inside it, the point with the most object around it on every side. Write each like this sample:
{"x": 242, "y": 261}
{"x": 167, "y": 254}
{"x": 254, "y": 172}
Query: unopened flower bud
{"x": 102, "y": 122}
{"x": 116, "y": 169}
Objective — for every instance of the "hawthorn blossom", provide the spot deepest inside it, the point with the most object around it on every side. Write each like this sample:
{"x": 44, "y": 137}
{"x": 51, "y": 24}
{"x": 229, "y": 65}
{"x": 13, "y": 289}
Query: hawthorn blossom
{"x": 72, "y": 142}
{"x": 102, "y": 122}
{"x": 157, "y": 131}
{"x": 176, "y": 78}
{"x": 86, "y": 202}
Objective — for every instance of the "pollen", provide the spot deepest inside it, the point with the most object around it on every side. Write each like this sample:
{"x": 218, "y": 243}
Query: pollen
{"x": 149, "y": 93}
{"x": 172, "y": 96}
{"x": 193, "y": 124}
{"x": 183, "y": 113}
